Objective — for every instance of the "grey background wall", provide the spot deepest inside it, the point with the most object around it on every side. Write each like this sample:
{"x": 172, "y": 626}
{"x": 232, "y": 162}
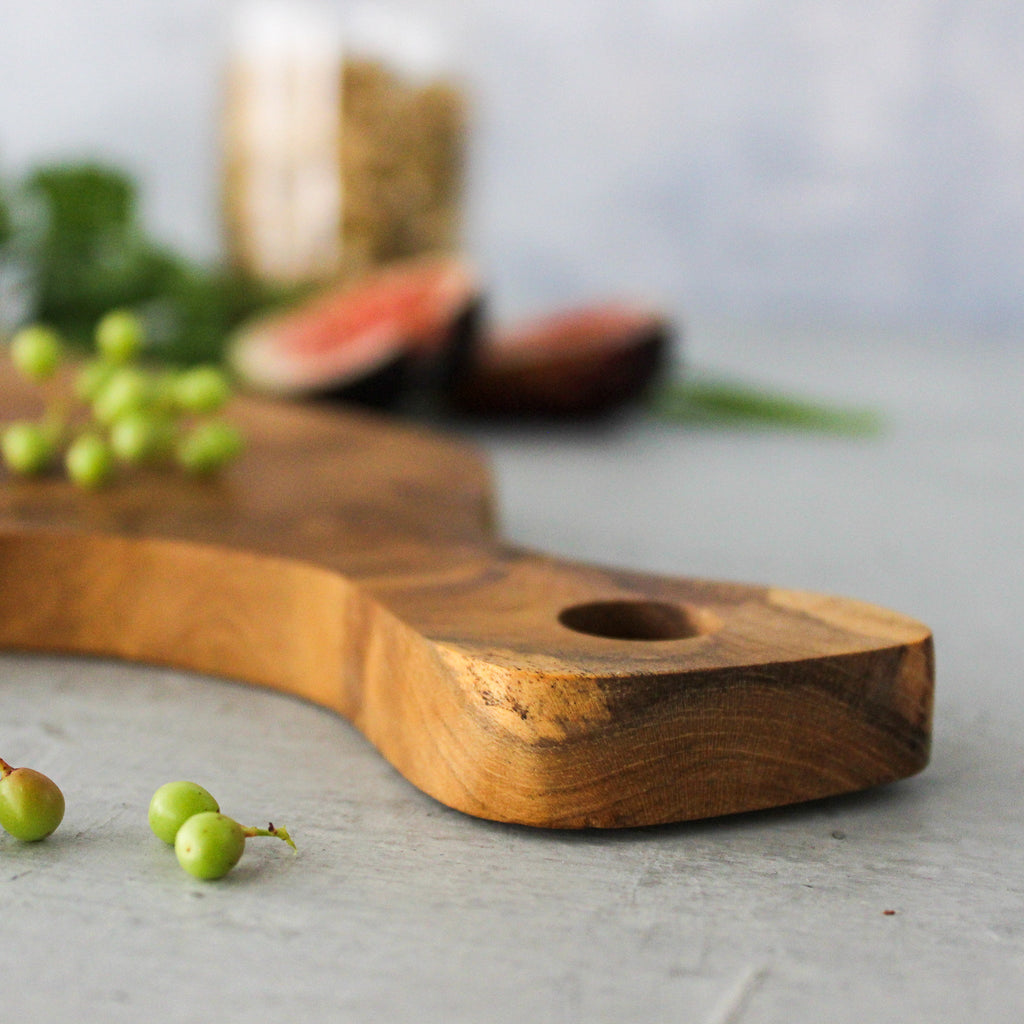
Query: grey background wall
{"x": 802, "y": 159}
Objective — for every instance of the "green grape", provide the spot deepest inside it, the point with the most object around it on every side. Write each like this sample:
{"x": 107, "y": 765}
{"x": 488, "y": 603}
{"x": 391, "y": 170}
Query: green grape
{"x": 209, "y": 446}
{"x": 174, "y": 803}
{"x": 31, "y": 805}
{"x": 209, "y": 844}
{"x": 140, "y": 436}
{"x": 91, "y": 378}
{"x": 89, "y": 461}
{"x": 36, "y": 352}
{"x": 202, "y": 389}
{"x": 126, "y": 390}
{"x": 27, "y": 447}
{"x": 119, "y": 336}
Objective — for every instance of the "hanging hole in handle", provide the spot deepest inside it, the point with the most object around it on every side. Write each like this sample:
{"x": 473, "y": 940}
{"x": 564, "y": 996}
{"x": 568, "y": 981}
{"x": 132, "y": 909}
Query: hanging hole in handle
{"x": 637, "y": 620}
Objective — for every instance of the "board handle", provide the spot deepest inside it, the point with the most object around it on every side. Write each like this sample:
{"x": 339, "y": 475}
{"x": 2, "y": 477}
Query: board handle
{"x": 510, "y": 685}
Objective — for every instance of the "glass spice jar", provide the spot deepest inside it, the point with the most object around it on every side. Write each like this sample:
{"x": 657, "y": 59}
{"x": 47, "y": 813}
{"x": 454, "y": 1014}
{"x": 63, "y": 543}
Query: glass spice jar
{"x": 345, "y": 143}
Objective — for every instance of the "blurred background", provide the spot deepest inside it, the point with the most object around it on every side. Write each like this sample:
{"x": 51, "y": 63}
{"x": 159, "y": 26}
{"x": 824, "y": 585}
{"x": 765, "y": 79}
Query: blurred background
{"x": 806, "y": 161}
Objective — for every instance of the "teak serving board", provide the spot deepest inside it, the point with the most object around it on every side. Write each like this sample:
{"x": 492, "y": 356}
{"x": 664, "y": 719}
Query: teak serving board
{"x": 353, "y": 562}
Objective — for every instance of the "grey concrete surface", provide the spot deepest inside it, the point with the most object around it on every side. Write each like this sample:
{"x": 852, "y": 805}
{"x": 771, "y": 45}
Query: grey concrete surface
{"x": 398, "y": 909}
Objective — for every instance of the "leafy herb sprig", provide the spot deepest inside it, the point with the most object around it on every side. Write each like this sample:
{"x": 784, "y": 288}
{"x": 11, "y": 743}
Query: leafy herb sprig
{"x": 712, "y": 401}
{"x": 77, "y": 229}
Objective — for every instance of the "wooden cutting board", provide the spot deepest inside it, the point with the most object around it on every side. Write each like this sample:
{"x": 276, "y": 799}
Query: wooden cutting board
{"x": 352, "y": 561}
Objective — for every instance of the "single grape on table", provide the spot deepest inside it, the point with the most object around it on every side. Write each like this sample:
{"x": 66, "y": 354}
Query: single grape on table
{"x": 36, "y": 352}
{"x": 209, "y": 447}
{"x": 27, "y": 447}
{"x": 126, "y": 390}
{"x": 141, "y": 436}
{"x": 210, "y": 844}
{"x": 174, "y": 803}
{"x": 202, "y": 389}
{"x": 119, "y": 336}
{"x": 31, "y": 804}
{"x": 89, "y": 461}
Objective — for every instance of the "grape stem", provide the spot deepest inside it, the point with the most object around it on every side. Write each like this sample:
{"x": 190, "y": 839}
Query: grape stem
{"x": 56, "y": 419}
{"x": 278, "y": 832}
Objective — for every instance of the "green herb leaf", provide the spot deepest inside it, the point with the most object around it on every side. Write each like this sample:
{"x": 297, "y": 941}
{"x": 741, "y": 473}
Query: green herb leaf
{"x": 88, "y": 253}
{"x": 91, "y": 255}
{"x": 713, "y": 401}
{"x": 5, "y": 216}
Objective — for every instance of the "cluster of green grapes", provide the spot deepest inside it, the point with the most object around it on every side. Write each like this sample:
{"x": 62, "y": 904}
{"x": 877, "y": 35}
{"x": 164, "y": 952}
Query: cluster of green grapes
{"x": 208, "y": 844}
{"x": 117, "y": 412}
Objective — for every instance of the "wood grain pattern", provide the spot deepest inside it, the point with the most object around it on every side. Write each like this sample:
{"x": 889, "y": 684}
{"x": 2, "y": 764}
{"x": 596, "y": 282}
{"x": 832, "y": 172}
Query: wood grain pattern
{"x": 353, "y": 562}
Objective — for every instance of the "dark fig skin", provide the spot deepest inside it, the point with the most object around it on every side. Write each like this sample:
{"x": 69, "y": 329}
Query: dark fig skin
{"x": 583, "y": 363}
{"x": 383, "y": 388}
